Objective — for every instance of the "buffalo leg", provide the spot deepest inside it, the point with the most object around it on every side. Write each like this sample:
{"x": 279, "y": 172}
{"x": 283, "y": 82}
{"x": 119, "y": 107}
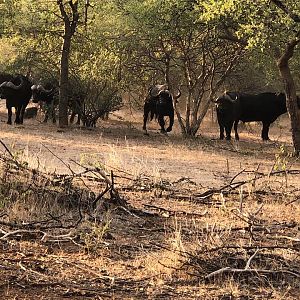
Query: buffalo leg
{"x": 146, "y": 113}
{"x": 18, "y": 112}
{"x": 21, "y": 115}
{"x": 72, "y": 117}
{"x": 228, "y": 128}
{"x": 265, "y": 131}
{"x": 78, "y": 119}
{"x": 53, "y": 117}
{"x": 221, "y": 132}
{"x": 9, "y": 115}
{"x": 46, "y": 115}
{"x": 222, "y": 127}
{"x": 171, "y": 123}
{"x": 161, "y": 122}
{"x": 52, "y": 111}
{"x": 236, "y": 123}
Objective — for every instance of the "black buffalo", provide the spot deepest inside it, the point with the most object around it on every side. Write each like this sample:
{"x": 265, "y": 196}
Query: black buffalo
{"x": 234, "y": 107}
{"x": 17, "y": 92}
{"x": 159, "y": 104}
{"x": 48, "y": 96}
{"x": 76, "y": 104}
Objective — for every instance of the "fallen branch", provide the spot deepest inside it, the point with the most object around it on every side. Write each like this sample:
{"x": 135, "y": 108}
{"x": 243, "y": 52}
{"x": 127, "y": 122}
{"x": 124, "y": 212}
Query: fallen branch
{"x": 31, "y": 271}
{"x": 294, "y": 239}
{"x": 46, "y": 237}
{"x": 234, "y": 185}
{"x": 173, "y": 212}
{"x": 248, "y": 270}
{"x": 228, "y": 270}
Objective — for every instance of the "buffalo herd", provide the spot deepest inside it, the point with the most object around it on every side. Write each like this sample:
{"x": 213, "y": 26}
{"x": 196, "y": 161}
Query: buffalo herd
{"x": 19, "y": 89}
{"x": 231, "y": 107}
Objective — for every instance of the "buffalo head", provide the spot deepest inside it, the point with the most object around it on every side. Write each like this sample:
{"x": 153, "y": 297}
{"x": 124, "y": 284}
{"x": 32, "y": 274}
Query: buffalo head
{"x": 39, "y": 93}
{"x": 226, "y": 101}
{"x": 11, "y": 88}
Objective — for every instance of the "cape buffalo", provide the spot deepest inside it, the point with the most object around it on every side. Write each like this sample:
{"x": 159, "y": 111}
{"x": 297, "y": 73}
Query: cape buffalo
{"x": 17, "y": 92}
{"x": 48, "y": 95}
{"x": 159, "y": 103}
{"x": 234, "y": 107}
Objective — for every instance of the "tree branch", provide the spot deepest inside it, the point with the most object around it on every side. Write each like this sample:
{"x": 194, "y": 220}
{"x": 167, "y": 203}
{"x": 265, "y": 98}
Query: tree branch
{"x": 284, "y": 8}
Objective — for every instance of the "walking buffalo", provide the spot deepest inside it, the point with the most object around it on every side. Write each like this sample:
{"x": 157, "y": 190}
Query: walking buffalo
{"x": 17, "y": 92}
{"x": 159, "y": 104}
{"x": 234, "y": 107}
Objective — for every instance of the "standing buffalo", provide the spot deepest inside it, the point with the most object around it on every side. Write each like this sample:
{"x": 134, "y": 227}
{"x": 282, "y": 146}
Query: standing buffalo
{"x": 17, "y": 92}
{"x": 234, "y": 107}
{"x": 48, "y": 95}
{"x": 159, "y": 103}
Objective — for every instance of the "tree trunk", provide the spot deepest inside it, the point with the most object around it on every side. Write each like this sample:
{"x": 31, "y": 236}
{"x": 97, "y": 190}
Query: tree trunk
{"x": 64, "y": 81}
{"x": 291, "y": 96}
{"x": 167, "y": 79}
{"x": 70, "y": 22}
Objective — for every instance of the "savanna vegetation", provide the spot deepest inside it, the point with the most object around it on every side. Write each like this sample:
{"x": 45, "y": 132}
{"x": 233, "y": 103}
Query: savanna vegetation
{"x": 108, "y": 213}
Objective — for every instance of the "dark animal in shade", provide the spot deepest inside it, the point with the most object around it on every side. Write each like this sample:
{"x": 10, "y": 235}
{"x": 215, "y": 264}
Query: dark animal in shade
{"x": 48, "y": 95}
{"x": 234, "y": 107}
{"x": 17, "y": 92}
{"x": 159, "y": 104}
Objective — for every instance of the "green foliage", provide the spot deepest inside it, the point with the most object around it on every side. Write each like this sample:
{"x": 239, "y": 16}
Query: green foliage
{"x": 261, "y": 23}
{"x": 125, "y": 44}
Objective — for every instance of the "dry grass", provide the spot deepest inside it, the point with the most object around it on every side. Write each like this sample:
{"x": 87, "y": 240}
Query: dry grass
{"x": 167, "y": 240}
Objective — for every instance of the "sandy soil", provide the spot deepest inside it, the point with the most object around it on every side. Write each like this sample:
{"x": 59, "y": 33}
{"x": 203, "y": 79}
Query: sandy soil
{"x": 120, "y": 143}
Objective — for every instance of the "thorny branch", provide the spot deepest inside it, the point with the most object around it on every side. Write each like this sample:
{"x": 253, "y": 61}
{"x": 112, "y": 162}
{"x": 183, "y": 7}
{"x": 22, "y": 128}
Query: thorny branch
{"x": 54, "y": 186}
{"x": 270, "y": 236}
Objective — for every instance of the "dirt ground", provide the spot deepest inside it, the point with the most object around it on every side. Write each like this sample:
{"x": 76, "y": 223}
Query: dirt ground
{"x": 184, "y": 222}
{"x": 119, "y": 142}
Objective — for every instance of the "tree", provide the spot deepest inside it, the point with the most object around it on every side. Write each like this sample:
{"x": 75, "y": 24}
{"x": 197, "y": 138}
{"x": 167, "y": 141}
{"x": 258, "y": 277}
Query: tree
{"x": 283, "y": 57}
{"x": 270, "y": 26}
{"x": 166, "y": 43}
{"x": 70, "y": 20}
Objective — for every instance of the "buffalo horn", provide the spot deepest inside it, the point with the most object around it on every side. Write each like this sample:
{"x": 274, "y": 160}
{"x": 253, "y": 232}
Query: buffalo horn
{"x": 228, "y": 97}
{"x": 15, "y": 87}
{"x": 155, "y": 90}
{"x": 11, "y": 85}
{"x": 41, "y": 88}
{"x": 3, "y": 84}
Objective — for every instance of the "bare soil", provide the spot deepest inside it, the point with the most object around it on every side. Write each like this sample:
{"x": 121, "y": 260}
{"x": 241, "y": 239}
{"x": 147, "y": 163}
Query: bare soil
{"x": 187, "y": 215}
